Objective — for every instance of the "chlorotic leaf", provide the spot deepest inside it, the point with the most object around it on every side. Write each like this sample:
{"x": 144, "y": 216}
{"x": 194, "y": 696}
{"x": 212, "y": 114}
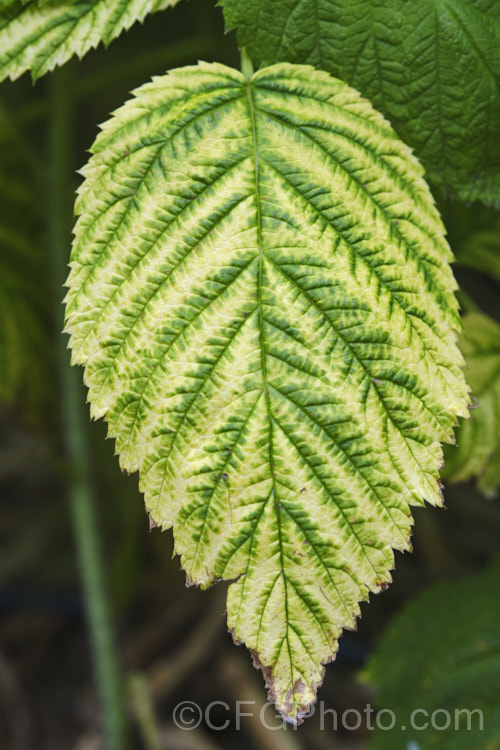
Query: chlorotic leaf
{"x": 445, "y": 691}
{"x": 40, "y": 36}
{"x": 23, "y": 315}
{"x": 261, "y": 296}
{"x": 432, "y": 67}
{"x": 478, "y": 439}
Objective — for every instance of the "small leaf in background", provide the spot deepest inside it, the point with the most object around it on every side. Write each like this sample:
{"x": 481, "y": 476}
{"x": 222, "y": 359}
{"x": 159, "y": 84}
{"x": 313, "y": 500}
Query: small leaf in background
{"x": 261, "y": 296}
{"x": 478, "y": 439}
{"x": 442, "y": 652}
{"x": 38, "y": 36}
{"x": 432, "y": 67}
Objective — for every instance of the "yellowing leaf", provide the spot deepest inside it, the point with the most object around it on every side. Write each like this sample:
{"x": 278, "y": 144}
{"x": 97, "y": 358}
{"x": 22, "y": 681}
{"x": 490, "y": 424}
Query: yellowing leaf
{"x": 39, "y": 36}
{"x": 261, "y": 296}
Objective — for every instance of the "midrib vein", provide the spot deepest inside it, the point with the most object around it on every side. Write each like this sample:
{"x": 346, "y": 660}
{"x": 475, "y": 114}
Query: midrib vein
{"x": 263, "y": 360}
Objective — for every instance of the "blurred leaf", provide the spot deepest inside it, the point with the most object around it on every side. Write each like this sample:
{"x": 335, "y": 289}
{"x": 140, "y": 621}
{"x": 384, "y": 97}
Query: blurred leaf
{"x": 24, "y": 348}
{"x": 38, "y": 36}
{"x": 478, "y": 438}
{"x": 279, "y": 377}
{"x": 432, "y": 67}
{"x": 481, "y": 250}
{"x": 443, "y": 653}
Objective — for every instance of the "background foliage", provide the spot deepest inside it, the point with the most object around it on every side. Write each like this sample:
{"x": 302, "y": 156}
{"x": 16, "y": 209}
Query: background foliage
{"x": 407, "y": 58}
{"x": 454, "y": 673}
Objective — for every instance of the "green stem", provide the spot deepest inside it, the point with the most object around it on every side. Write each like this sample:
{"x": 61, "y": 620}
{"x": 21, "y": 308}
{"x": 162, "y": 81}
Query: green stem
{"x": 74, "y": 420}
{"x": 142, "y": 703}
{"x": 246, "y": 64}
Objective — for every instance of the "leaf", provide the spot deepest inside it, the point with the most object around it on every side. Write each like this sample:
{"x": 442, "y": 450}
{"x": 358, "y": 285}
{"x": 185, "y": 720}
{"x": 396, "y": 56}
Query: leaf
{"x": 40, "y": 36}
{"x": 478, "y": 452}
{"x": 261, "y": 296}
{"x": 431, "y": 66}
{"x": 473, "y": 232}
{"x": 481, "y": 250}
{"x": 23, "y": 317}
{"x": 450, "y": 640}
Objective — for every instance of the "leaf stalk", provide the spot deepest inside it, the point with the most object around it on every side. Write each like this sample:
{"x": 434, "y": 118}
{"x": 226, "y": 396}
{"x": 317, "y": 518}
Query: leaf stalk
{"x": 246, "y": 64}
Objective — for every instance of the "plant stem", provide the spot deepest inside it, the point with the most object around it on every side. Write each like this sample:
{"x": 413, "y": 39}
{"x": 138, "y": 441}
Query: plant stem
{"x": 246, "y": 64}
{"x": 74, "y": 420}
{"x": 144, "y": 711}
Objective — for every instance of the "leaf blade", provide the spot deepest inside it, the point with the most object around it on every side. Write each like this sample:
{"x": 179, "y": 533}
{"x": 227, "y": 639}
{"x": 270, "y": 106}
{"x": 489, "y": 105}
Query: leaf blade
{"x": 407, "y": 58}
{"x": 478, "y": 439}
{"x": 239, "y": 298}
{"x": 40, "y": 36}
{"x": 457, "y": 674}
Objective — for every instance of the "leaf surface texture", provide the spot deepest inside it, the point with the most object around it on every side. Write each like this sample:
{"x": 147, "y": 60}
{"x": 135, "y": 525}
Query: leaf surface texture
{"x": 38, "y": 36}
{"x": 261, "y": 296}
{"x": 431, "y": 66}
